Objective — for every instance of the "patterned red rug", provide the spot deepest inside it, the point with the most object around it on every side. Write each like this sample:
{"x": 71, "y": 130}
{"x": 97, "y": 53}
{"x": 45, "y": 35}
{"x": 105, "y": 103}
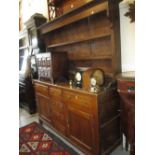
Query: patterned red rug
{"x": 36, "y": 140}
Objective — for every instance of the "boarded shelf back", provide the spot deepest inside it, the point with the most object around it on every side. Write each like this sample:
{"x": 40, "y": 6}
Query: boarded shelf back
{"x": 77, "y": 14}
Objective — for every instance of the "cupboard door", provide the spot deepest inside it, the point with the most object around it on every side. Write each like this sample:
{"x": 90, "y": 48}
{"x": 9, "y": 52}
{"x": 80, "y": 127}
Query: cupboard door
{"x": 43, "y": 106}
{"x": 57, "y": 116}
{"x": 80, "y": 128}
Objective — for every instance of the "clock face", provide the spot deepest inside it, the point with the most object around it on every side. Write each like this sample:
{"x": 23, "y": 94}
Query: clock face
{"x": 93, "y": 81}
{"x": 78, "y": 76}
{"x": 99, "y": 77}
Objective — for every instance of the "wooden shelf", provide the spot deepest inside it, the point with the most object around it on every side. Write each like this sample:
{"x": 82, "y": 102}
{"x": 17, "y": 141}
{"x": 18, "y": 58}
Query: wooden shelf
{"x": 82, "y": 12}
{"x": 89, "y": 34}
{"x": 93, "y": 57}
{"x": 82, "y": 40}
{"x": 23, "y": 47}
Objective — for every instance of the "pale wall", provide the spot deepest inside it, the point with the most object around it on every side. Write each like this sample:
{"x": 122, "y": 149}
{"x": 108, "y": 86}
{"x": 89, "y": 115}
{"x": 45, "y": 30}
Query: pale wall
{"x": 127, "y": 29}
{"x": 29, "y": 7}
{"x": 127, "y": 39}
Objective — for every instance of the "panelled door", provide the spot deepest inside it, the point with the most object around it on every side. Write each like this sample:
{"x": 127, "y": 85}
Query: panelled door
{"x": 80, "y": 128}
{"x": 43, "y": 106}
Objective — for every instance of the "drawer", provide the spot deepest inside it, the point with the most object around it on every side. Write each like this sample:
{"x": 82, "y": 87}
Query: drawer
{"x": 58, "y": 105}
{"x": 55, "y": 92}
{"x": 79, "y": 101}
{"x": 41, "y": 89}
{"x": 126, "y": 87}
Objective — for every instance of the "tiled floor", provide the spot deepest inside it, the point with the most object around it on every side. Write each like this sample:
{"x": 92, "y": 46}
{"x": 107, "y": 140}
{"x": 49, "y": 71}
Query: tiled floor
{"x": 25, "y": 118}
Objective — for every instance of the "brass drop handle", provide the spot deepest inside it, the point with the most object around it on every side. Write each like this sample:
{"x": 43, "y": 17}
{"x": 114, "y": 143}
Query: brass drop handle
{"x": 72, "y": 6}
{"x": 76, "y": 97}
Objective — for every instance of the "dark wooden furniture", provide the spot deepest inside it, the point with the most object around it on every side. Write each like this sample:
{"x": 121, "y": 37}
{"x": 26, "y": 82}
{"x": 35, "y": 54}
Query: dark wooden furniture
{"x": 30, "y": 43}
{"x": 36, "y": 43}
{"x": 126, "y": 89}
{"x": 26, "y": 92}
{"x": 23, "y": 46}
{"x": 90, "y": 34}
{"x": 90, "y": 121}
{"x": 52, "y": 66}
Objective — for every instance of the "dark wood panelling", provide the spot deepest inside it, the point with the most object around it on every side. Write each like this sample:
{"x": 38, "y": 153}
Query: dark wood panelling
{"x": 101, "y": 47}
{"x": 105, "y": 64}
{"x": 78, "y": 132}
{"x": 83, "y": 12}
{"x": 92, "y": 41}
{"x": 99, "y": 23}
{"x": 86, "y": 119}
{"x": 83, "y": 50}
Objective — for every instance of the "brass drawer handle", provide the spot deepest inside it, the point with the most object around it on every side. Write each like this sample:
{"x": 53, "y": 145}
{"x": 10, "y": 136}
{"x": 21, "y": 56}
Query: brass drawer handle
{"x": 72, "y": 6}
{"x": 76, "y": 97}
